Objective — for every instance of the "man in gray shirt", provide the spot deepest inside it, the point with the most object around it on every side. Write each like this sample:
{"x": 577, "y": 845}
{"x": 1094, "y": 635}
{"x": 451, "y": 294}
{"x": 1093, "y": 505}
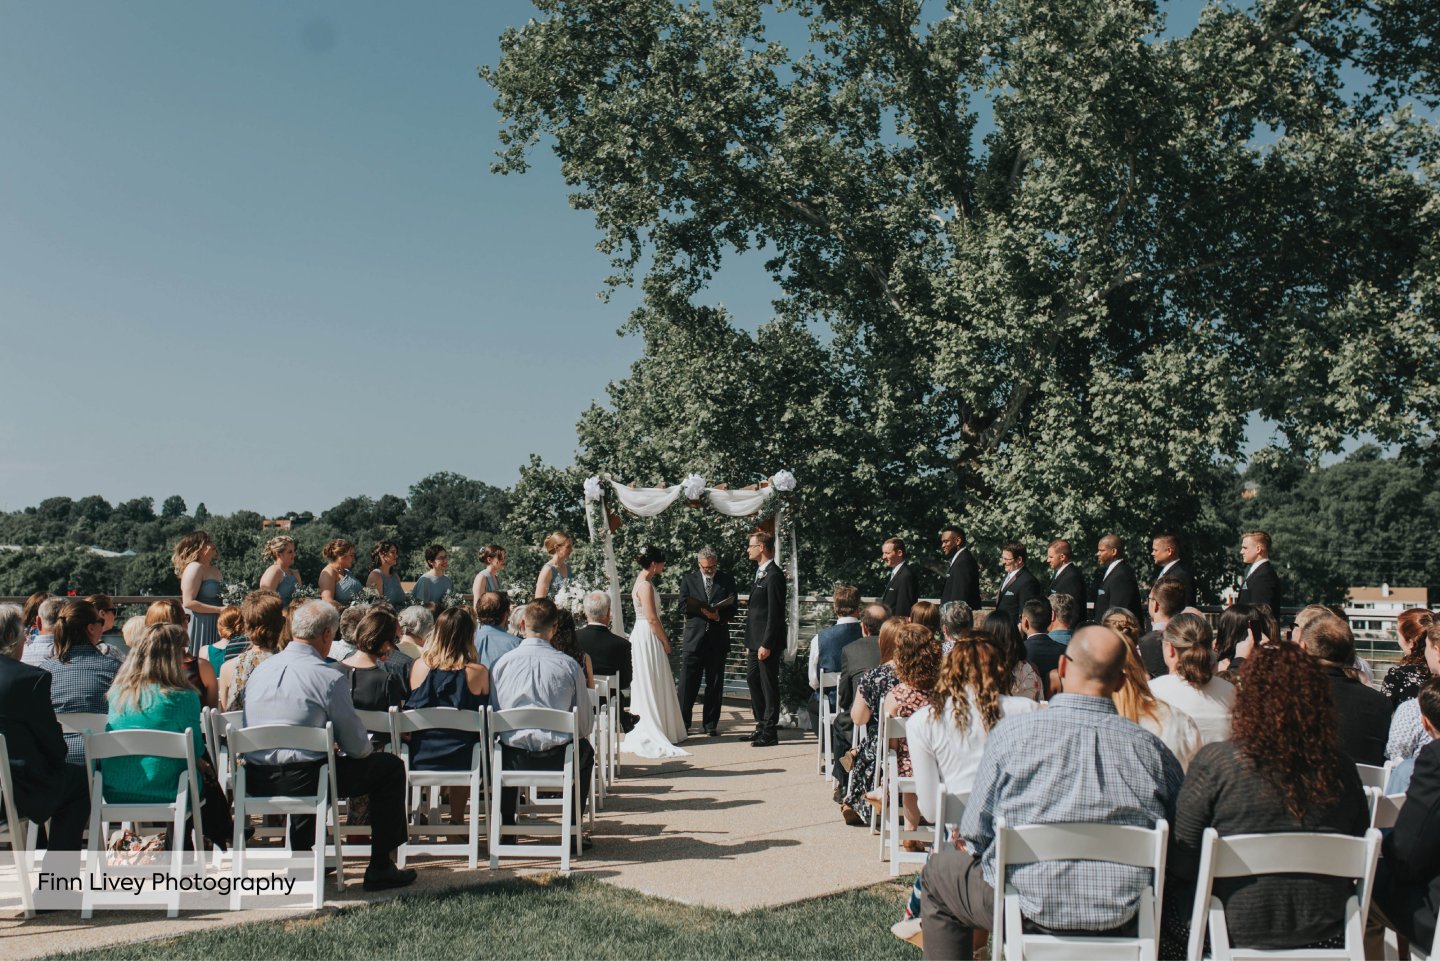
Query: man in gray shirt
{"x": 297, "y": 688}
{"x": 491, "y": 640}
{"x": 537, "y": 675}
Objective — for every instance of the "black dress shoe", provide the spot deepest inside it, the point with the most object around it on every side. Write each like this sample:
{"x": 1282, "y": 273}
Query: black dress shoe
{"x": 765, "y": 742}
{"x": 711, "y": 732}
{"x": 383, "y": 879}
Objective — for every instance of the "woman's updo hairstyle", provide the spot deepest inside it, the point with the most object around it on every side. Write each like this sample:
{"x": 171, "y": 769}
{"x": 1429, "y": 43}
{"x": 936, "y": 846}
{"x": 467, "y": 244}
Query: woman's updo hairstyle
{"x": 380, "y": 550}
{"x": 188, "y": 550}
{"x": 336, "y": 549}
{"x": 490, "y": 553}
{"x": 650, "y": 555}
{"x": 1190, "y": 635}
{"x": 275, "y": 546}
{"x": 555, "y": 541}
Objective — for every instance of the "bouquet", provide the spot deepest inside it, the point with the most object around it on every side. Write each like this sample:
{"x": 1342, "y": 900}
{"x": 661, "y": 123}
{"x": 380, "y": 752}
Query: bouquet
{"x": 368, "y": 596}
{"x": 233, "y": 595}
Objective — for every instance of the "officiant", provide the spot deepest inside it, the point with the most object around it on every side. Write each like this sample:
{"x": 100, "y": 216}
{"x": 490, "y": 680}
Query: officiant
{"x": 708, "y": 602}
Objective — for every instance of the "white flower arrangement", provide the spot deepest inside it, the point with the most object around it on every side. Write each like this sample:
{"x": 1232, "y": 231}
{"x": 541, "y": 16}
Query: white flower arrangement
{"x": 303, "y": 592}
{"x": 366, "y": 597}
{"x": 572, "y": 597}
{"x": 234, "y": 594}
{"x": 593, "y": 490}
{"x": 693, "y": 487}
{"x": 784, "y": 481}
{"x": 454, "y": 599}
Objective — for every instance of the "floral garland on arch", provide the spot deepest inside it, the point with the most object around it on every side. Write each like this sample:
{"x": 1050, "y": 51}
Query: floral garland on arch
{"x": 695, "y": 490}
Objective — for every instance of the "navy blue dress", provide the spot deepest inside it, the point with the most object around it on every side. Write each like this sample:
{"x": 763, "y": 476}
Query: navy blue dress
{"x": 441, "y": 750}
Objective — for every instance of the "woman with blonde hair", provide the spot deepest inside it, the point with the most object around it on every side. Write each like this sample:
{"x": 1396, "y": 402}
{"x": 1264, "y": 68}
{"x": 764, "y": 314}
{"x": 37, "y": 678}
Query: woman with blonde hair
{"x": 1135, "y": 702}
{"x": 448, "y": 673}
{"x": 197, "y": 669}
{"x": 488, "y": 580}
{"x": 337, "y": 585}
{"x": 1191, "y": 686}
{"x": 280, "y": 576}
{"x": 382, "y": 579}
{"x": 1124, "y": 623}
{"x": 200, "y": 586}
{"x": 555, "y": 575}
{"x": 263, "y": 614}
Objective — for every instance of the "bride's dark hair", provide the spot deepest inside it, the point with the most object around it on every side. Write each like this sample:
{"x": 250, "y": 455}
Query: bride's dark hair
{"x": 650, "y": 555}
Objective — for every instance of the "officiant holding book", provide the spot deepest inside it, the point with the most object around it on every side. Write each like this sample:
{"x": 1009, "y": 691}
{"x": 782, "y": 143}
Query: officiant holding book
{"x": 708, "y": 601}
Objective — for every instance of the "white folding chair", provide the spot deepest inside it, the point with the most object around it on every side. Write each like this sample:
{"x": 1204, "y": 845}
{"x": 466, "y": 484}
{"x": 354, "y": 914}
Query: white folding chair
{"x": 566, "y": 781}
{"x": 82, "y": 722}
{"x": 1384, "y": 808}
{"x": 220, "y": 724}
{"x": 186, "y": 805}
{"x": 597, "y": 720}
{"x": 417, "y": 783}
{"x": 376, "y": 722}
{"x": 321, "y": 804}
{"x": 1250, "y": 855}
{"x": 615, "y": 727}
{"x": 949, "y": 809}
{"x": 1136, "y": 846}
{"x": 829, "y": 681}
{"x": 16, "y": 833}
{"x": 895, "y": 786}
{"x": 600, "y": 737}
{"x": 1373, "y": 776}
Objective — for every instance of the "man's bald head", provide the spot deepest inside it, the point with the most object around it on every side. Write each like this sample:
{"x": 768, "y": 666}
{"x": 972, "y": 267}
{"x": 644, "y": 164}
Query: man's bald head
{"x": 1094, "y": 662}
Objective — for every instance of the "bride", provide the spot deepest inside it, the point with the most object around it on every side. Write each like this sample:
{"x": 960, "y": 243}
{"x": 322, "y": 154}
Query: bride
{"x": 652, "y": 686}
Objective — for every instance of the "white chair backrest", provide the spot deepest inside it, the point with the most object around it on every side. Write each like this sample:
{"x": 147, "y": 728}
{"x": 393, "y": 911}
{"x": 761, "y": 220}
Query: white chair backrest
{"x": 226, "y": 720}
{"x": 1384, "y": 808}
{"x": 602, "y": 687}
{"x": 78, "y": 722}
{"x": 895, "y": 727}
{"x": 7, "y": 789}
{"x": 376, "y": 722}
{"x": 1249, "y": 855}
{"x": 1118, "y": 844}
{"x": 167, "y": 744}
{"x": 829, "y": 679}
{"x": 528, "y": 718}
{"x": 269, "y": 737}
{"x": 440, "y": 719}
{"x": 1372, "y": 776}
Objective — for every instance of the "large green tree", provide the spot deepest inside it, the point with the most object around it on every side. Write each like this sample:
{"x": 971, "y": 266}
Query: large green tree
{"x": 1037, "y": 262}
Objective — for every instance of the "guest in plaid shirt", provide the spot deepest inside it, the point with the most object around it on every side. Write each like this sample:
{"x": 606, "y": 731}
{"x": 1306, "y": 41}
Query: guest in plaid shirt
{"x": 1078, "y": 761}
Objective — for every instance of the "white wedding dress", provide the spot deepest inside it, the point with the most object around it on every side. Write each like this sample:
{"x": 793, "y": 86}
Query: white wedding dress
{"x": 652, "y": 691}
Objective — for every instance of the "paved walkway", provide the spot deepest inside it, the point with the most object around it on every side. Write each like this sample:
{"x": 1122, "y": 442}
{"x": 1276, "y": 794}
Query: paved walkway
{"x": 732, "y": 826}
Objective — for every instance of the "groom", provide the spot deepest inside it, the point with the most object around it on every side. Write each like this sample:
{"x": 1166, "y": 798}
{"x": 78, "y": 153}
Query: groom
{"x": 765, "y": 638}
{"x": 707, "y": 602}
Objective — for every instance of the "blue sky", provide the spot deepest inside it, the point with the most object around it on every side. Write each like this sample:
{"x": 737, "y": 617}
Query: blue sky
{"x": 253, "y": 254}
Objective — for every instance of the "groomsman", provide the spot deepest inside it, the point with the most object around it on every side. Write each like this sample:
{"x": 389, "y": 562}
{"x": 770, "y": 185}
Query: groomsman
{"x": 1117, "y": 585}
{"x": 765, "y": 639}
{"x": 900, "y": 592}
{"x": 1066, "y": 578}
{"x": 962, "y": 577}
{"x": 1165, "y": 552}
{"x": 1261, "y": 584}
{"x": 1019, "y": 585}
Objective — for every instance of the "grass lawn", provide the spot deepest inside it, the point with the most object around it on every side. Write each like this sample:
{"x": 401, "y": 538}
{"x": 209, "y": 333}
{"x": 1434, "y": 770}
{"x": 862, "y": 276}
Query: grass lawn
{"x": 556, "y": 917}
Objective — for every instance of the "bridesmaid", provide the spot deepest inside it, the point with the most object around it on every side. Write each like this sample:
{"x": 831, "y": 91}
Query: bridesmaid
{"x": 488, "y": 580}
{"x": 382, "y": 578}
{"x": 280, "y": 576}
{"x": 200, "y": 587}
{"x": 556, "y": 572}
{"x": 433, "y": 585}
{"x": 337, "y": 585}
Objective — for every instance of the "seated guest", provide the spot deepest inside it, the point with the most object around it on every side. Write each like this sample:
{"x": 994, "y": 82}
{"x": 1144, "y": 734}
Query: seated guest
{"x": 1239, "y": 632}
{"x": 515, "y": 626}
{"x": 609, "y": 653}
{"x": 1041, "y": 652}
{"x": 416, "y": 623}
{"x": 198, "y": 669}
{"x": 1096, "y": 767}
{"x": 1363, "y": 713}
{"x": 448, "y": 675}
{"x": 31, "y": 614}
{"x": 1065, "y": 613}
{"x": 1312, "y": 612}
{"x": 826, "y": 648}
{"x": 955, "y": 618}
{"x": 492, "y": 642}
{"x": 372, "y": 687}
{"x": 865, "y": 712}
{"x": 537, "y": 675}
{"x": 296, "y": 687}
{"x": 231, "y": 628}
{"x": 1407, "y": 731}
{"x": 1124, "y": 623}
{"x": 1190, "y": 684}
{"x": 344, "y": 644}
{"x": 1407, "y": 885}
{"x": 564, "y": 642}
{"x": 1402, "y": 682}
{"x": 151, "y": 692}
{"x": 917, "y": 665}
{"x": 1136, "y": 703}
{"x": 133, "y": 630}
{"x": 41, "y": 644}
{"x": 1024, "y": 679}
{"x": 46, "y": 788}
{"x": 105, "y": 607}
{"x": 1282, "y": 770}
{"x": 263, "y": 614}
{"x": 927, "y": 615}
{"x": 856, "y": 660}
{"x": 80, "y": 674}
{"x": 1167, "y": 598}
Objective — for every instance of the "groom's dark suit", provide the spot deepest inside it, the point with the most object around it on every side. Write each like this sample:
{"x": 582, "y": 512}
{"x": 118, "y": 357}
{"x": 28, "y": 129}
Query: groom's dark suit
{"x": 765, "y": 628}
{"x": 704, "y": 644}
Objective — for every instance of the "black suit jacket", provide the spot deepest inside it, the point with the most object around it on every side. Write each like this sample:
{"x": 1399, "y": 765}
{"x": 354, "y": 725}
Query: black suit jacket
{"x": 32, "y": 737}
{"x": 1182, "y": 573}
{"x": 1119, "y": 589}
{"x": 1043, "y": 652}
{"x": 700, "y": 630}
{"x": 1411, "y": 852}
{"x": 1013, "y": 596}
{"x": 857, "y": 657}
{"x": 1262, "y": 587}
{"x": 1070, "y": 581}
{"x": 962, "y": 580}
{"x": 765, "y": 624}
{"x": 1363, "y": 716}
{"x": 901, "y": 593}
{"x": 1152, "y": 653}
{"x": 609, "y": 652}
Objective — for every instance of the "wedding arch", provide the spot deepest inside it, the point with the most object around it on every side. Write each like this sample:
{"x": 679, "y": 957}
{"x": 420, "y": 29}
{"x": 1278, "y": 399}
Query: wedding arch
{"x": 743, "y": 502}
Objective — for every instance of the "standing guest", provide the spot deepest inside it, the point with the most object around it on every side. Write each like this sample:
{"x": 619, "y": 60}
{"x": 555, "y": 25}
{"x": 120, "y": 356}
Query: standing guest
{"x": 488, "y": 580}
{"x": 1023, "y": 680}
{"x": 296, "y": 687}
{"x": 281, "y": 576}
{"x": 829, "y": 645}
{"x": 382, "y": 579}
{"x": 200, "y": 586}
{"x": 1165, "y": 552}
{"x": 962, "y": 574}
{"x": 564, "y": 642}
{"x": 46, "y": 788}
{"x": 955, "y": 616}
{"x": 1018, "y": 585}
{"x": 231, "y": 628}
{"x": 1167, "y": 598}
{"x": 609, "y": 653}
{"x": 555, "y": 574}
{"x": 1135, "y": 702}
{"x": 765, "y": 638}
{"x": 1281, "y": 771}
{"x": 337, "y": 585}
{"x": 263, "y": 614}
{"x": 41, "y": 645}
{"x": 1096, "y": 768}
{"x": 152, "y": 693}
{"x": 1261, "y": 584}
{"x": 709, "y": 601}
{"x": 372, "y": 687}
{"x": 856, "y": 660}
{"x": 900, "y": 591}
{"x": 917, "y": 666}
{"x": 31, "y": 612}
{"x": 416, "y": 624}
{"x": 434, "y": 584}
{"x": 1041, "y": 651}
{"x": 448, "y": 674}
{"x": 1408, "y": 733}
{"x": 1066, "y": 578}
{"x": 865, "y": 712}
{"x": 1190, "y": 684}
{"x": 197, "y": 668}
{"x": 491, "y": 641}
{"x": 1362, "y": 713}
{"x": 1402, "y": 682}
{"x": 80, "y": 675}
{"x": 1116, "y": 585}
